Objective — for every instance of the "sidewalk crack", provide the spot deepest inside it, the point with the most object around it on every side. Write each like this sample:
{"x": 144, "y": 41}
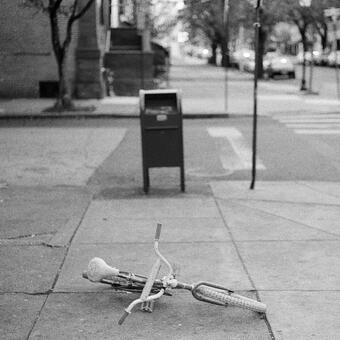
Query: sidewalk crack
{"x": 287, "y": 219}
{"x": 255, "y": 290}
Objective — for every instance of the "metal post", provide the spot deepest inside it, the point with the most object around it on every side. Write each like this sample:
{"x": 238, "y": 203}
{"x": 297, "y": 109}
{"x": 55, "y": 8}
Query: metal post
{"x": 304, "y": 3}
{"x": 310, "y": 90}
{"x": 226, "y": 28}
{"x": 333, "y": 14}
{"x": 225, "y": 89}
{"x": 257, "y": 25}
{"x": 311, "y": 67}
{"x": 336, "y": 57}
{"x": 303, "y": 78}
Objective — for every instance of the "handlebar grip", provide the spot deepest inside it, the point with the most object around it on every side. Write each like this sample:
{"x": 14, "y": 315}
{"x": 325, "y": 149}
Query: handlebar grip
{"x": 158, "y": 231}
{"x": 124, "y": 316}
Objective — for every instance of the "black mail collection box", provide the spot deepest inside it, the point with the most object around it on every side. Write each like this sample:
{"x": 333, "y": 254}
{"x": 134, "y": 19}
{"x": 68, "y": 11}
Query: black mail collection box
{"x": 162, "y": 132}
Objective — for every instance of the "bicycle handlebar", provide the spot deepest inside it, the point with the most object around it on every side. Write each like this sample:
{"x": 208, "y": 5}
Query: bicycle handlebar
{"x": 158, "y": 232}
{"x": 145, "y": 297}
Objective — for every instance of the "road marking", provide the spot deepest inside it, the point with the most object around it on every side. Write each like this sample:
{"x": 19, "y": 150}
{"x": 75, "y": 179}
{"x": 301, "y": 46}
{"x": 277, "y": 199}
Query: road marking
{"x": 311, "y": 120}
{"x": 242, "y": 158}
{"x": 318, "y": 101}
{"x": 313, "y": 126}
{"x": 278, "y": 97}
{"x": 279, "y": 87}
{"x": 317, "y": 132}
{"x": 306, "y": 116}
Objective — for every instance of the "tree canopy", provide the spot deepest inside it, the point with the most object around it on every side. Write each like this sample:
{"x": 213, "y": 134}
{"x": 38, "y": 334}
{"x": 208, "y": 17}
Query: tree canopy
{"x": 206, "y": 17}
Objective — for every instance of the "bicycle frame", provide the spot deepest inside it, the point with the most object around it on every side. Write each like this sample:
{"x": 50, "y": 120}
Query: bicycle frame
{"x": 152, "y": 288}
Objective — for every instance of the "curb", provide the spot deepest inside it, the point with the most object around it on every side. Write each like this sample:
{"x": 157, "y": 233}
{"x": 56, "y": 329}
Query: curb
{"x": 109, "y": 116}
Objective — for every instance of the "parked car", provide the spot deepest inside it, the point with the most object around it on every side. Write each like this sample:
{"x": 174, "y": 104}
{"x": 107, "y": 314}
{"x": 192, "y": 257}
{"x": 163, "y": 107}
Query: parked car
{"x": 323, "y": 59}
{"x": 299, "y": 57}
{"x": 319, "y": 58}
{"x": 200, "y": 52}
{"x": 278, "y": 65}
{"x": 241, "y": 59}
{"x": 334, "y": 58}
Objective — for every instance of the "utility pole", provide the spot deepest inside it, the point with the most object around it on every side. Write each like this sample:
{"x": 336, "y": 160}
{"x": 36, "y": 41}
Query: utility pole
{"x": 333, "y": 14}
{"x": 257, "y": 26}
{"x": 226, "y": 58}
{"x": 307, "y": 4}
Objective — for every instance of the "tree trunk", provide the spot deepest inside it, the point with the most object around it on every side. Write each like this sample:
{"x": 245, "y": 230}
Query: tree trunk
{"x": 213, "y": 59}
{"x": 225, "y": 53}
{"x": 64, "y": 101}
{"x": 324, "y": 37}
{"x": 303, "y": 77}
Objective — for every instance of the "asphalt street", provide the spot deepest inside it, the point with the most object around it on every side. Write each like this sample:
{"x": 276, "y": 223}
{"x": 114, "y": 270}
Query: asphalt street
{"x": 285, "y": 154}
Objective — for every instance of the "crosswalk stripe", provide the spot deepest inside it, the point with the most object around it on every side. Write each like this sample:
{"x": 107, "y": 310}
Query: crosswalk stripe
{"x": 240, "y": 147}
{"x": 313, "y": 126}
{"x": 278, "y": 97}
{"x": 317, "y": 132}
{"x": 312, "y": 115}
{"x": 325, "y": 101}
{"x": 311, "y": 120}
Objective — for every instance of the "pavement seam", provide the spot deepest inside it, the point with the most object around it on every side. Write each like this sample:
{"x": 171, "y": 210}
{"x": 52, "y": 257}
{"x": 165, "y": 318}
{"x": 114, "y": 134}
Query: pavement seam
{"x": 162, "y": 217}
{"x": 276, "y": 201}
{"x": 25, "y": 236}
{"x": 270, "y": 330}
{"x": 291, "y": 240}
{"x": 112, "y": 116}
{"x": 316, "y": 190}
{"x": 67, "y": 246}
{"x": 207, "y": 242}
{"x": 58, "y": 272}
{"x": 288, "y": 219}
{"x": 163, "y": 242}
{"x": 37, "y": 318}
{"x": 299, "y": 290}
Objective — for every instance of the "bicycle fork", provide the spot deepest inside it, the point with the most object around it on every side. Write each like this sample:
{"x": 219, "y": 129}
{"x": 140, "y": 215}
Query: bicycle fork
{"x": 146, "y": 299}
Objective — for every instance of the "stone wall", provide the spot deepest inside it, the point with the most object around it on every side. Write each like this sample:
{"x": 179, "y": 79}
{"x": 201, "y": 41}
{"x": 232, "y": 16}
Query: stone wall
{"x": 93, "y": 28}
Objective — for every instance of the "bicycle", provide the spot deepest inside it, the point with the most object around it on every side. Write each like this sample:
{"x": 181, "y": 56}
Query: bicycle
{"x": 152, "y": 288}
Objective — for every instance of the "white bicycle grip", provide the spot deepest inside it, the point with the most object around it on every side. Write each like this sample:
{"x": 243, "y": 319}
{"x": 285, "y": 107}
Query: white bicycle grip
{"x": 98, "y": 269}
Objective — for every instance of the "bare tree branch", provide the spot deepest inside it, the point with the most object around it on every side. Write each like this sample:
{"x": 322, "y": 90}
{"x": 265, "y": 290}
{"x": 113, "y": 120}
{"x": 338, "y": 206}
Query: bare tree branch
{"x": 83, "y": 10}
{"x": 70, "y": 22}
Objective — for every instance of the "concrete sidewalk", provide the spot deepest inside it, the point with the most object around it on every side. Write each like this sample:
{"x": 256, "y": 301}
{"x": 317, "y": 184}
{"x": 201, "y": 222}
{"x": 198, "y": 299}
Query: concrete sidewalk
{"x": 280, "y": 242}
{"x": 207, "y": 92}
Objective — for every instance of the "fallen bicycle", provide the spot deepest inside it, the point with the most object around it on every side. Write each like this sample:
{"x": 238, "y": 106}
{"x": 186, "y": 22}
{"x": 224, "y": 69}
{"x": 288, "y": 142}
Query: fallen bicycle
{"x": 152, "y": 288}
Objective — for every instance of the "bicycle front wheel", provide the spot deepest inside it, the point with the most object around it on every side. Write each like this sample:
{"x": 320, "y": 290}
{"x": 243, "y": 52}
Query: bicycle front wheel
{"x": 212, "y": 295}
